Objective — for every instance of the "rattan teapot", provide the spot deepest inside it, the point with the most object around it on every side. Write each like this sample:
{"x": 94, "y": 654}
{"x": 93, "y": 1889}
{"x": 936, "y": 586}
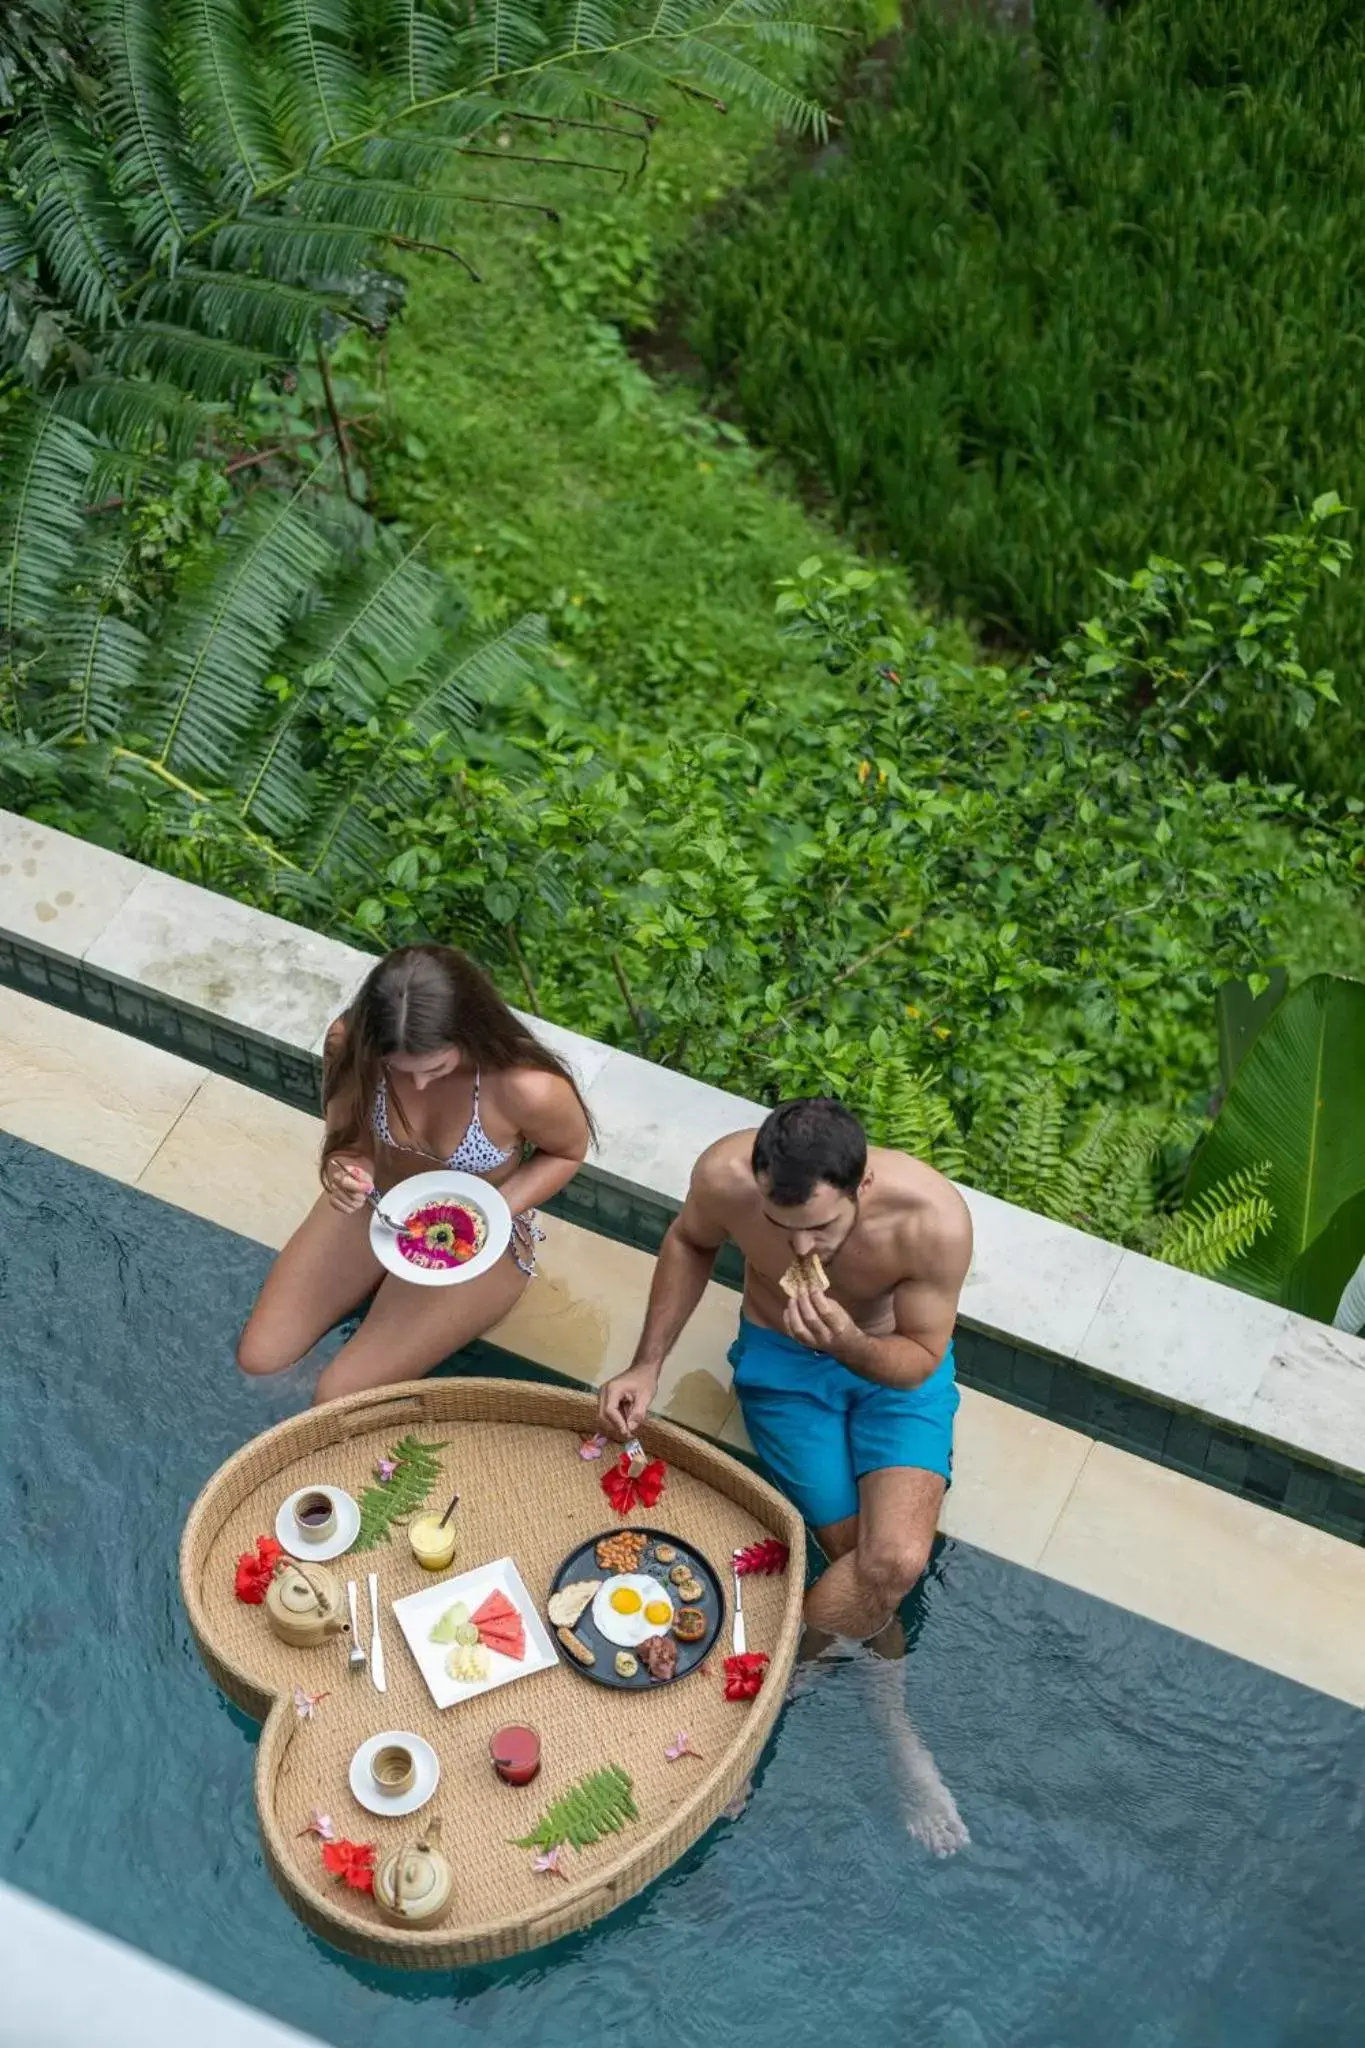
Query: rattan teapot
{"x": 412, "y": 1885}
{"x": 303, "y": 1604}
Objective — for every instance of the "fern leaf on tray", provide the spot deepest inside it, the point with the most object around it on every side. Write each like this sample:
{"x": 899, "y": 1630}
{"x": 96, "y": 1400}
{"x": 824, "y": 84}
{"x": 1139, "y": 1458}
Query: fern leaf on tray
{"x": 597, "y": 1805}
{"x": 419, "y": 1467}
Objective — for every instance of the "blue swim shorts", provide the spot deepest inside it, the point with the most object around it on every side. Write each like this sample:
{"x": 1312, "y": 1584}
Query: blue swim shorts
{"x": 819, "y": 1427}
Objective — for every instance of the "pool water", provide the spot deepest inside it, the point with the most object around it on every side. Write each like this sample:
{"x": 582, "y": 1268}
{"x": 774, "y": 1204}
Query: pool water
{"x": 1167, "y": 1844}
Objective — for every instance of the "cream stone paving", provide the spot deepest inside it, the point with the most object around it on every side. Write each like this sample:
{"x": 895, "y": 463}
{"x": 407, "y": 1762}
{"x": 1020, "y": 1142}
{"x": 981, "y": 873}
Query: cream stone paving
{"x": 1260, "y": 1585}
{"x": 1257, "y": 1584}
{"x": 1013, "y": 1474}
{"x": 85, "y": 1092}
{"x": 240, "y": 1159}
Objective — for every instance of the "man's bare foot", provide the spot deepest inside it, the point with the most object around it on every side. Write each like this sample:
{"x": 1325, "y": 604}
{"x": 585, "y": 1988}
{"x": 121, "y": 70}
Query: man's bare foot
{"x": 927, "y": 1806}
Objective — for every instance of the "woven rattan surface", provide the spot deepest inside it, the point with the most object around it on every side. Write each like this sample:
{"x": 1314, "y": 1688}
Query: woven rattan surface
{"x": 512, "y": 1450}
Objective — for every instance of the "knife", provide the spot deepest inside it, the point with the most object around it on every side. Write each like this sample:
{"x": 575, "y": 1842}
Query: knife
{"x": 376, "y": 1645}
{"x": 739, "y": 1641}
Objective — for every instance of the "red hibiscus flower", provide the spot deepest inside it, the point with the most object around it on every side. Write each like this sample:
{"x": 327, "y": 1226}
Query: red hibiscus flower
{"x": 254, "y": 1573}
{"x": 744, "y": 1675}
{"x": 625, "y": 1493}
{"x": 351, "y": 1861}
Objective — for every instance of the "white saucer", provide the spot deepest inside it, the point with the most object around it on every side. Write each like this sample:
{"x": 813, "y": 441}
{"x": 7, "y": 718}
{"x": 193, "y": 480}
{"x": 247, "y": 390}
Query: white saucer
{"x": 341, "y": 1538}
{"x": 392, "y": 1804}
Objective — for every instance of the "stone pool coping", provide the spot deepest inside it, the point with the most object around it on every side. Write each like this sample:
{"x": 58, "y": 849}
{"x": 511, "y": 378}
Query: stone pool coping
{"x": 1145, "y": 1330}
{"x": 56, "y": 1968}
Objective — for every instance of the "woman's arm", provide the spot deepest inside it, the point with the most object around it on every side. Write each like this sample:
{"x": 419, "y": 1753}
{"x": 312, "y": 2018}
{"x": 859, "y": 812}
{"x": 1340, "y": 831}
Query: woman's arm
{"x": 549, "y": 1116}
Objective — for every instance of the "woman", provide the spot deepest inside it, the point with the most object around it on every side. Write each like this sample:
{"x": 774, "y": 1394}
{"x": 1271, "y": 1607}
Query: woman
{"x": 427, "y": 1067}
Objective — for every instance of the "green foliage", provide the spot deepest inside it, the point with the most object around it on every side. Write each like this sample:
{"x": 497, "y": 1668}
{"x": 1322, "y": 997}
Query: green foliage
{"x": 175, "y": 226}
{"x": 600, "y": 1804}
{"x": 915, "y": 882}
{"x": 419, "y": 1468}
{"x": 1058, "y": 300}
{"x": 1298, "y": 1101}
{"x": 1222, "y": 1224}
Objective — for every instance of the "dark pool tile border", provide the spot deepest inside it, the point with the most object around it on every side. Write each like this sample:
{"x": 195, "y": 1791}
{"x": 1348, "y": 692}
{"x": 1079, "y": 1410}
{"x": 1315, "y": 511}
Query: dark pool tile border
{"x": 1054, "y": 1387}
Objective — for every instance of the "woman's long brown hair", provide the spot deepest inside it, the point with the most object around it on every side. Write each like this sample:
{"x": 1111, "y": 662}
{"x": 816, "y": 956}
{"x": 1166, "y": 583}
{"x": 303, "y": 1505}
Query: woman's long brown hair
{"x": 421, "y": 1000}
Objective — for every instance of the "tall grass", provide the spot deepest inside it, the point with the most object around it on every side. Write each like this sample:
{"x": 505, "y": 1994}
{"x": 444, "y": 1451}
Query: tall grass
{"x": 1064, "y": 299}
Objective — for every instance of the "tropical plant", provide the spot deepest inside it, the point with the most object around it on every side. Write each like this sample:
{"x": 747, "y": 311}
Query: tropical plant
{"x": 251, "y": 723}
{"x": 1295, "y": 1112}
{"x": 230, "y": 190}
{"x": 1068, "y": 296}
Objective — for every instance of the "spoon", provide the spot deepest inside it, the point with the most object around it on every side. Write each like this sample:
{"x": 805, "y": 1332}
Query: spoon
{"x": 356, "y": 1660}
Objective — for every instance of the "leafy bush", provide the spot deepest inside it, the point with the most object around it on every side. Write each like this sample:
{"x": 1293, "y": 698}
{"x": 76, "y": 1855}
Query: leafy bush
{"x": 1054, "y": 302}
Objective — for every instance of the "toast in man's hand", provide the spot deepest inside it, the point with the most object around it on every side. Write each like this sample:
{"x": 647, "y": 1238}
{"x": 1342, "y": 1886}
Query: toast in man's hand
{"x": 804, "y": 1276}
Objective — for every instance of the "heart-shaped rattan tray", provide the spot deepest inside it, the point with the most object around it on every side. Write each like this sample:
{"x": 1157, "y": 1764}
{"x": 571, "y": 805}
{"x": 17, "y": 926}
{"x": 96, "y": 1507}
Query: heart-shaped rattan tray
{"x": 512, "y": 1451}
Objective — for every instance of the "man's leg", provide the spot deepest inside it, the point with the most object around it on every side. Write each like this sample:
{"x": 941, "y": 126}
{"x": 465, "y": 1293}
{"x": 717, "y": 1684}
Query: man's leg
{"x": 877, "y": 1555}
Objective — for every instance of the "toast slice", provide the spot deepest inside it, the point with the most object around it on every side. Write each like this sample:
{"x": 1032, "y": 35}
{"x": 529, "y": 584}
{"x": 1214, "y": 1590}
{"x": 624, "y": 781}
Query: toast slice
{"x": 805, "y": 1276}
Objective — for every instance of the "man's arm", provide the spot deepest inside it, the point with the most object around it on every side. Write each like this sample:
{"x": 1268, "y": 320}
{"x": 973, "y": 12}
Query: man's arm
{"x": 925, "y": 1310}
{"x": 684, "y": 1265}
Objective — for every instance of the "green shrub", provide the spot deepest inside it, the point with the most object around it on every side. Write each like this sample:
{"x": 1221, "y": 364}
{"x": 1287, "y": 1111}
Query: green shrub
{"x": 1056, "y": 302}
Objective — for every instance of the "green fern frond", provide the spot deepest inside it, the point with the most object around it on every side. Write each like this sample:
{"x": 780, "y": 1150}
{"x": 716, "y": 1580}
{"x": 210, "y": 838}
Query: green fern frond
{"x": 94, "y": 662}
{"x": 507, "y": 35}
{"x": 600, "y": 1804}
{"x": 1028, "y": 1145}
{"x": 155, "y": 173}
{"x": 222, "y": 635}
{"x": 321, "y": 90}
{"x": 16, "y": 235}
{"x": 701, "y": 61}
{"x": 295, "y": 251}
{"x": 76, "y": 226}
{"x": 274, "y": 319}
{"x": 219, "y": 76}
{"x": 419, "y": 1468}
{"x": 46, "y": 462}
{"x": 1221, "y": 1224}
{"x": 136, "y": 414}
{"x": 203, "y": 365}
{"x": 903, "y": 1109}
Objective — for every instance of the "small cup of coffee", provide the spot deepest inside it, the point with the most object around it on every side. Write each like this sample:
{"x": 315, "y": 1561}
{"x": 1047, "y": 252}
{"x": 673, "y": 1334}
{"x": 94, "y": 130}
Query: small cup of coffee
{"x": 315, "y": 1517}
{"x": 394, "y": 1769}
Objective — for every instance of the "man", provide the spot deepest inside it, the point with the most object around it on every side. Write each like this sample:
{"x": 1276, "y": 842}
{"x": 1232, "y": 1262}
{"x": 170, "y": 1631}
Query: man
{"x": 848, "y": 1391}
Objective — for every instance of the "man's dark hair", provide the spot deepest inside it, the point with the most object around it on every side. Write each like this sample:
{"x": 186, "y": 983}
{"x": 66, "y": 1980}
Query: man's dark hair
{"x": 807, "y": 1141}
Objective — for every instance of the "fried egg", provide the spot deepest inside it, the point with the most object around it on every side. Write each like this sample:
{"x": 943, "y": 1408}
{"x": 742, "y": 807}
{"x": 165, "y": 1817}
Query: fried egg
{"x": 630, "y": 1608}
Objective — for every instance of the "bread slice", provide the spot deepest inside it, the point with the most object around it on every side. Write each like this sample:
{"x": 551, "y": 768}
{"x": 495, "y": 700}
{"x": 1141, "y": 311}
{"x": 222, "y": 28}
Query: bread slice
{"x": 805, "y": 1276}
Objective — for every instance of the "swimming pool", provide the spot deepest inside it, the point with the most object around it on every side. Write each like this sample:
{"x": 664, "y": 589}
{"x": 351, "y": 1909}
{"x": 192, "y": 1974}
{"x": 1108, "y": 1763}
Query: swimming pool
{"x": 1166, "y": 1842}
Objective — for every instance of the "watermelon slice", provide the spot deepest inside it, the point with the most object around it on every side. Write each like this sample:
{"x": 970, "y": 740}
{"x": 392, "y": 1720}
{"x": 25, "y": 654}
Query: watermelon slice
{"x": 501, "y": 1627}
{"x": 513, "y": 1646}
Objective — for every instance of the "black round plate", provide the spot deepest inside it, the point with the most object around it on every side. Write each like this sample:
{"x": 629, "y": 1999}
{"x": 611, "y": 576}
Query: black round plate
{"x": 582, "y": 1564}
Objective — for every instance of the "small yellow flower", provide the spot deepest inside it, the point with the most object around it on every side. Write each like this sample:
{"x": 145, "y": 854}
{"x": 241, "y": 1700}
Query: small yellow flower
{"x": 940, "y": 1031}
{"x": 864, "y": 770}
{"x": 706, "y": 466}
{"x": 912, "y": 1010}
{"x": 575, "y": 599}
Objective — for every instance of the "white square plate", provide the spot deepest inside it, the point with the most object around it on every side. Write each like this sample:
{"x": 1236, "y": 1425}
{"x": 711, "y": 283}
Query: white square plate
{"x": 418, "y": 1614}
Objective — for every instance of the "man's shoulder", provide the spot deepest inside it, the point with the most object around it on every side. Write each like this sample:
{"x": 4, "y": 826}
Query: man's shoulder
{"x": 926, "y": 1213}
{"x": 724, "y": 1171}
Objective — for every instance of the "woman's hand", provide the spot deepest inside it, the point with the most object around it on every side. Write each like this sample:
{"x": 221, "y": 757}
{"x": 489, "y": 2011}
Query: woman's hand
{"x": 349, "y": 1181}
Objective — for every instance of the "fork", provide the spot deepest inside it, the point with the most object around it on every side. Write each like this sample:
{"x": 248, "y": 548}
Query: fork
{"x": 356, "y": 1660}
{"x": 372, "y": 1197}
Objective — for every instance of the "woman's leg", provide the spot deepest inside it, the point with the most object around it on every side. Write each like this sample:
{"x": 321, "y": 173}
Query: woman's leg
{"x": 410, "y": 1329}
{"x": 325, "y": 1270}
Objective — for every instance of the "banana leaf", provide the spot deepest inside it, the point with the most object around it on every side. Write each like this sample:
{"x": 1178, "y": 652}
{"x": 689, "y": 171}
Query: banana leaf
{"x": 1297, "y": 1100}
{"x": 1319, "y": 1275}
{"x": 1241, "y": 1016}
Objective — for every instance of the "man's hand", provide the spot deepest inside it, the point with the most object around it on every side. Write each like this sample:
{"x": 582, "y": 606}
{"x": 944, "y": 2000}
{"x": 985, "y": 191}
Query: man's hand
{"x": 816, "y": 1319}
{"x": 623, "y": 1403}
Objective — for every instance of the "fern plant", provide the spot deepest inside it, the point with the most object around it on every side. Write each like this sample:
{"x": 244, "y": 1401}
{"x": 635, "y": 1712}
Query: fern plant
{"x": 224, "y": 189}
{"x": 418, "y": 1469}
{"x": 269, "y": 709}
{"x": 1219, "y": 1225}
{"x": 597, "y": 1805}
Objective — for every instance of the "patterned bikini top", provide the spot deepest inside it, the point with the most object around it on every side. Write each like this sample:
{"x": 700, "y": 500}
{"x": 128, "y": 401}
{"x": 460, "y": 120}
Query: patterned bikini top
{"x": 475, "y": 1153}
